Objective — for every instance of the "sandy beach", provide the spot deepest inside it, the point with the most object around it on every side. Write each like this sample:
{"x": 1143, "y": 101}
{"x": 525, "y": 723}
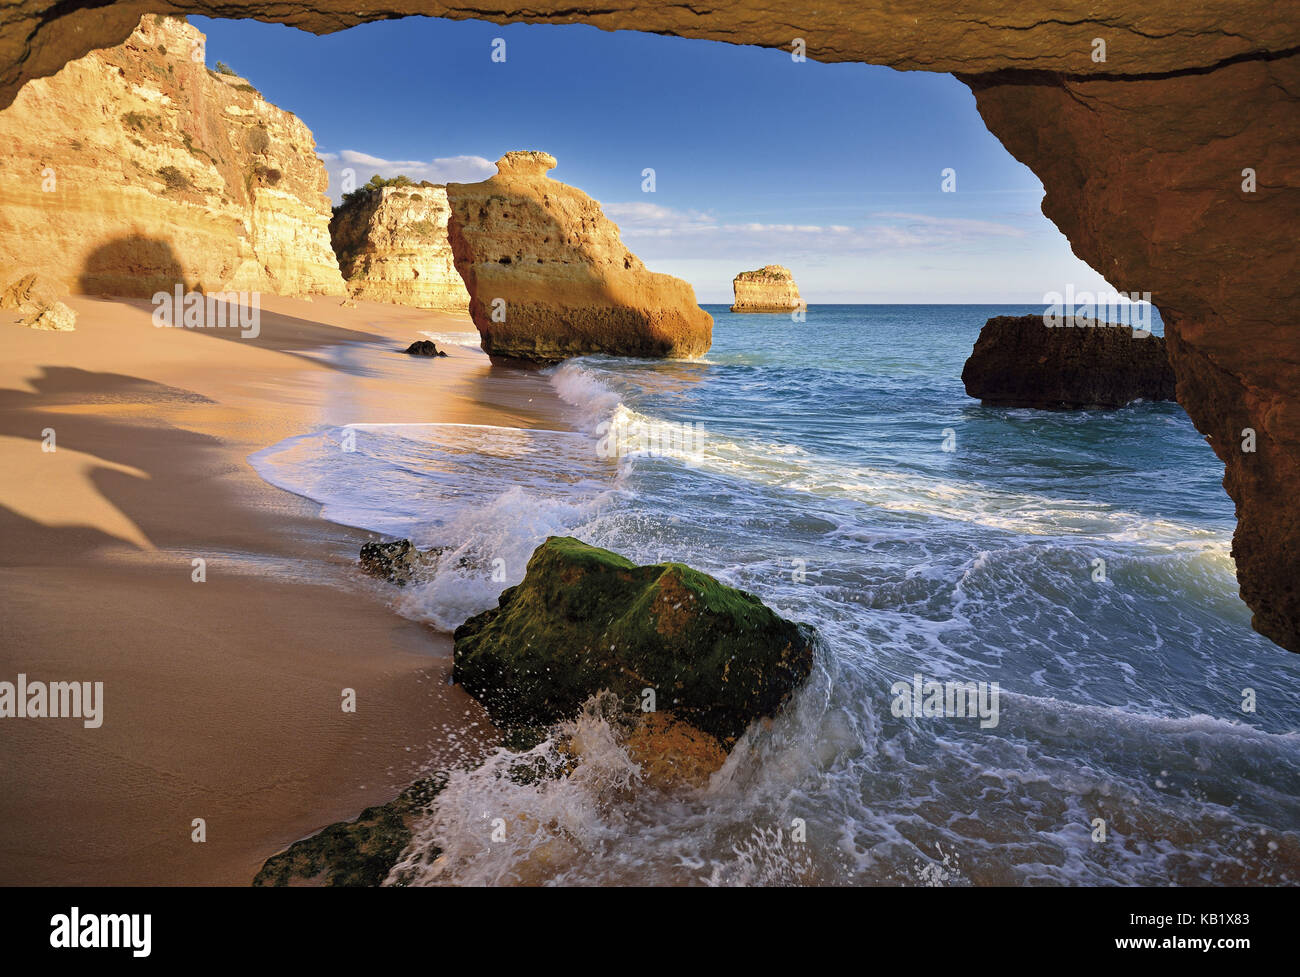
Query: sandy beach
{"x": 222, "y": 699}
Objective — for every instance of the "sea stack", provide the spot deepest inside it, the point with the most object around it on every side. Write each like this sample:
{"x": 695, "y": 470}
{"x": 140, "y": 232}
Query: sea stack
{"x": 769, "y": 289}
{"x": 1019, "y": 361}
{"x": 136, "y": 168}
{"x": 549, "y": 277}
{"x": 392, "y": 246}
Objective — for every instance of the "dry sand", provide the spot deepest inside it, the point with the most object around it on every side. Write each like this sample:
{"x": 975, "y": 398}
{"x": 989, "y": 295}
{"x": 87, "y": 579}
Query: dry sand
{"x": 221, "y": 699}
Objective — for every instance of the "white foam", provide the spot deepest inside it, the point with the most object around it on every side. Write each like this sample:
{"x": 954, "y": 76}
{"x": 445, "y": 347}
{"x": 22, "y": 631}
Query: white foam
{"x": 488, "y": 495}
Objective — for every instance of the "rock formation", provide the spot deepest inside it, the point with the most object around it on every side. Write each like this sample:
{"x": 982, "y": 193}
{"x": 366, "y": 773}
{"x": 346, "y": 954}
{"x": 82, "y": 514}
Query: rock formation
{"x": 1141, "y": 147}
{"x": 549, "y": 277}
{"x": 398, "y": 561}
{"x": 424, "y": 347}
{"x": 770, "y": 289}
{"x": 392, "y": 246}
{"x": 585, "y": 620}
{"x": 1147, "y": 178}
{"x": 360, "y": 852}
{"x": 136, "y": 168}
{"x": 1020, "y": 362}
{"x": 38, "y": 305}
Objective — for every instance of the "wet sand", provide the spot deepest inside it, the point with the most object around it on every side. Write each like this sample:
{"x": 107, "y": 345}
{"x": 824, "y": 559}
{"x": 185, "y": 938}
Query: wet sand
{"x": 222, "y": 699}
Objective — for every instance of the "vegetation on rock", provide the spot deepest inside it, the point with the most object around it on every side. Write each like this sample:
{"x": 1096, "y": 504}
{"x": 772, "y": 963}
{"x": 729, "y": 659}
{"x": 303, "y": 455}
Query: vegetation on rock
{"x": 585, "y": 619}
{"x": 353, "y": 853}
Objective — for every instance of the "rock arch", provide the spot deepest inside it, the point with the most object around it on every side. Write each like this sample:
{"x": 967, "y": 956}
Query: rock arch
{"x": 1142, "y": 157}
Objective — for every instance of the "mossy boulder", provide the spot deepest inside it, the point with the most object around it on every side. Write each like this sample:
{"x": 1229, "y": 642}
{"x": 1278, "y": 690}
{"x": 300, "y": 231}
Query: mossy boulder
{"x": 353, "y": 853}
{"x": 585, "y": 619}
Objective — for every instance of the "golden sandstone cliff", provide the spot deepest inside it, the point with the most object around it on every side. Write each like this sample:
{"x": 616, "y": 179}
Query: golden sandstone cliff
{"x": 549, "y": 277}
{"x": 769, "y": 289}
{"x": 1142, "y": 148}
{"x": 137, "y": 168}
{"x": 392, "y": 246}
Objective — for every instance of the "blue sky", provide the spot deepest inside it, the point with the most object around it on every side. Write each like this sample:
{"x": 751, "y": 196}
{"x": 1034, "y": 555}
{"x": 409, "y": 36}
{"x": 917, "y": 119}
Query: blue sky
{"x": 834, "y": 170}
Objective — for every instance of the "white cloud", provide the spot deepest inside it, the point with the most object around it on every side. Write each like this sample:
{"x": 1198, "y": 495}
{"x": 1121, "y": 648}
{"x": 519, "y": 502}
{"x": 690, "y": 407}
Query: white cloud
{"x": 651, "y": 220}
{"x": 699, "y": 233}
{"x": 446, "y": 169}
{"x": 953, "y": 227}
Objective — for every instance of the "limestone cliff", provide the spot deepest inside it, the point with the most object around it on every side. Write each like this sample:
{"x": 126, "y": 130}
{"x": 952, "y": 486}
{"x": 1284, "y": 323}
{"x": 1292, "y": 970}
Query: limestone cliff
{"x": 136, "y": 168}
{"x": 549, "y": 277}
{"x": 769, "y": 289}
{"x": 392, "y": 246}
{"x": 1020, "y": 362}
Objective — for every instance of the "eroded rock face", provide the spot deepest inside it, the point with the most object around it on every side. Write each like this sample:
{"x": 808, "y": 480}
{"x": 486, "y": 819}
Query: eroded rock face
{"x": 1139, "y": 153}
{"x": 1145, "y": 177}
{"x": 136, "y": 168}
{"x": 769, "y": 289}
{"x": 585, "y": 620}
{"x": 549, "y": 277}
{"x": 38, "y": 36}
{"x": 392, "y": 246}
{"x": 1020, "y": 362}
{"x": 37, "y": 304}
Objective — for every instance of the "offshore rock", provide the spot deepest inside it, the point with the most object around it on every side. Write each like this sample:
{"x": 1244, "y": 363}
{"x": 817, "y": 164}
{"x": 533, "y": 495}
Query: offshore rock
{"x": 769, "y": 289}
{"x": 1018, "y": 361}
{"x": 549, "y": 277}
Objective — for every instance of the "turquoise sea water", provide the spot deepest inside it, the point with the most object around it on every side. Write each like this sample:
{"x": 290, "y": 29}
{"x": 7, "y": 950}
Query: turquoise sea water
{"x": 815, "y": 475}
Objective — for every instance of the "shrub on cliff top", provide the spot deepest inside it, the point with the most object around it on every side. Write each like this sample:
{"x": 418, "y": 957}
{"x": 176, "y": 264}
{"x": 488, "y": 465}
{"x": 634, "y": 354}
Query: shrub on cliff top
{"x": 377, "y": 182}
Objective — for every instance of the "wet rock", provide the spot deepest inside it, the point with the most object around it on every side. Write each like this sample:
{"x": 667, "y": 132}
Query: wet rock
{"x": 1018, "y": 361}
{"x": 424, "y": 347}
{"x": 360, "y": 852}
{"x": 396, "y": 561}
{"x": 585, "y": 619}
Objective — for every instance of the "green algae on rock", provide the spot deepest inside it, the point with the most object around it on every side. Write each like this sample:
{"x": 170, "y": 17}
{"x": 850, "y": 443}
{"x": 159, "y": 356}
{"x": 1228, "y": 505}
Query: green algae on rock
{"x": 585, "y": 619}
{"x": 360, "y": 852}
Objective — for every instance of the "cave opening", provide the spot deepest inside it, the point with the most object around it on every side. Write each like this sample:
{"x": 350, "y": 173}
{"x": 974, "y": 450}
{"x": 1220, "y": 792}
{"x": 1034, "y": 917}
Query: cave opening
{"x": 835, "y": 465}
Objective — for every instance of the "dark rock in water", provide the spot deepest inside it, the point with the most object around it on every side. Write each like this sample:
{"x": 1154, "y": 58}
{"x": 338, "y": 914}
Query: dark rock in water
{"x": 354, "y": 853}
{"x": 396, "y": 561}
{"x": 424, "y": 347}
{"x": 585, "y": 619}
{"x": 1018, "y": 361}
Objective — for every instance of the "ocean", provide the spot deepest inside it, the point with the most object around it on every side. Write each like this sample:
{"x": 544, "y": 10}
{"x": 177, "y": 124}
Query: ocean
{"x": 836, "y": 468}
